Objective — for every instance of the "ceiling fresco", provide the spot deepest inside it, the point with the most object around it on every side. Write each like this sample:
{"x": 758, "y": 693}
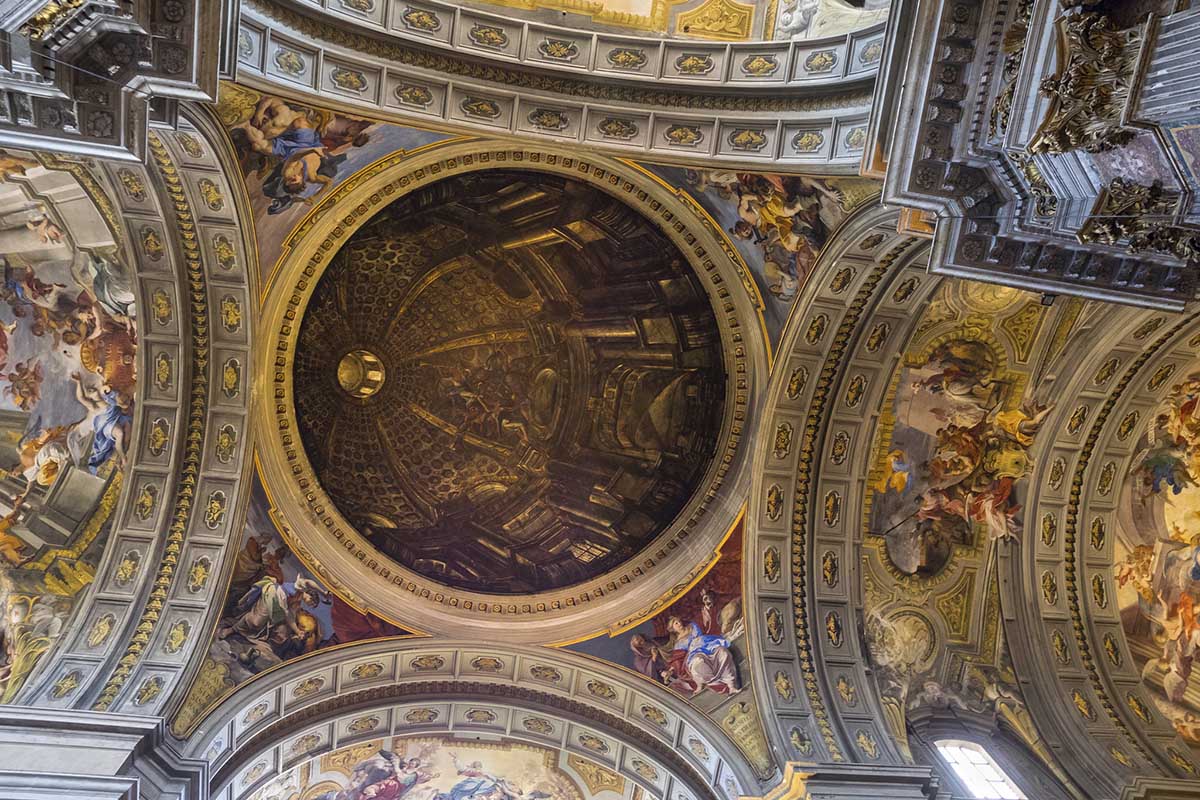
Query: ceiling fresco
{"x": 1157, "y": 556}
{"x": 274, "y": 612}
{"x": 550, "y": 382}
{"x": 950, "y": 470}
{"x": 777, "y": 223}
{"x": 697, "y": 647}
{"x": 441, "y": 768}
{"x": 68, "y": 341}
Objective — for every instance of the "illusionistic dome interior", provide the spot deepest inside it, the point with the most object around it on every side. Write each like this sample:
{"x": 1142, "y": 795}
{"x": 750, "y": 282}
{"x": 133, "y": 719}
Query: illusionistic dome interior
{"x": 632, "y": 400}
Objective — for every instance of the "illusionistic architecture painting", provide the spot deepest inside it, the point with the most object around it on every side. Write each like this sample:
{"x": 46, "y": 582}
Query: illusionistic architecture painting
{"x": 621, "y": 400}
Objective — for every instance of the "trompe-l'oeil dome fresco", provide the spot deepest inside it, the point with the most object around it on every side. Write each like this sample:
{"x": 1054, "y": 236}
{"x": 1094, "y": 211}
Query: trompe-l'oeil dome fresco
{"x": 509, "y": 381}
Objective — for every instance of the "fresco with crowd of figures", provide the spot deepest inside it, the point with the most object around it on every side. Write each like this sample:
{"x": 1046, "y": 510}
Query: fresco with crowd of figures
{"x": 1157, "y": 556}
{"x": 68, "y": 341}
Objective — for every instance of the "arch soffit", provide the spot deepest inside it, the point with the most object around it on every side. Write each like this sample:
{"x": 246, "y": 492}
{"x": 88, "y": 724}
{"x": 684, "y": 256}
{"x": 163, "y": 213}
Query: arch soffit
{"x": 326, "y": 693}
{"x": 338, "y": 554}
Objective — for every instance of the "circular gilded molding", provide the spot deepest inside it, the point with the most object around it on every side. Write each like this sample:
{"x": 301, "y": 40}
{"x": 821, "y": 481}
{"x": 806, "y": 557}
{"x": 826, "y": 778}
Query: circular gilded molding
{"x": 340, "y": 555}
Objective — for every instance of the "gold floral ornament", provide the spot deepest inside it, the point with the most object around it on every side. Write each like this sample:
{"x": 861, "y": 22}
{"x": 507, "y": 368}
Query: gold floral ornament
{"x": 617, "y": 128}
{"x": 364, "y": 672}
{"x": 774, "y": 503}
{"x": 1139, "y": 708}
{"x": 149, "y": 689}
{"x": 816, "y": 329}
{"x": 698, "y": 749}
{"x": 1127, "y": 426}
{"x": 538, "y": 725}
{"x": 749, "y": 140}
{"x": 602, "y": 690}
{"x": 308, "y": 686}
{"x": 1120, "y": 757}
{"x": 856, "y": 139}
{"x": 487, "y": 664}
{"x": 830, "y": 572}
{"x": 305, "y": 744}
{"x": 160, "y": 306}
{"x": 808, "y": 141}
{"x": 1049, "y": 529}
{"x": 1108, "y": 476}
{"x": 1057, "y": 470}
{"x": 839, "y": 451}
{"x": 360, "y": 725}
{"x": 159, "y": 438}
{"x": 784, "y": 687}
{"x": 684, "y": 135}
{"x": 1178, "y": 760}
{"x": 847, "y": 691}
{"x": 558, "y": 49}
{"x": 177, "y": 636}
{"x": 100, "y": 630}
{"x": 546, "y": 674}
{"x": 427, "y": 663}
{"x": 244, "y": 44}
{"x": 133, "y": 184}
{"x": 694, "y": 64}
{"x": 50, "y": 16}
{"x": 801, "y": 741}
{"x": 821, "y": 61}
{"x": 871, "y": 54}
{"x": 627, "y": 58}
{"x": 855, "y": 391}
{"x": 654, "y": 715}
{"x": 877, "y": 337}
{"x": 644, "y": 769}
{"x": 1049, "y": 588}
{"x": 1160, "y": 377}
{"x": 163, "y": 371}
{"x": 479, "y": 716}
{"x": 1098, "y": 533}
{"x": 833, "y": 629}
{"x": 66, "y": 685}
{"x": 841, "y": 280}
{"x": 421, "y": 716}
{"x": 127, "y": 569}
{"x": 147, "y": 500}
{"x": 1112, "y": 650}
{"x": 256, "y": 713}
{"x": 760, "y": 66}
{"x": 1060, "y": 648}
{"x": 231, "y": 314}
{"x": 717, "y": 19}
{"x": 548, "y": 119}
{"x": 774, "y": 625}
{"x": 783, "y": 440}
{"x": 419, "y": 19}
{"x": 289, "y": 62}
{"x": 224, "y": 251}
{"x": 351, "y": 80}
{"x": 413, "y": 95}
{"x": 771, "y": 564}
{"x": 231, "y": 378}
{"x": 152, "y": 244}
{"x": 832, "y": 507}
{"x": 214, "y": 510}
{"x": 488, "y": 36}
{"x": 1078, "y": 417}
{"x": 1099, "y": 592}
{"x": 1083, "y": 706}
{"x": 593, "y": 743}
{"x": 199, "y": 573}
{"x": 190, "y": 144}
{"x": 867, "y": 744}
{"x": 1148, "y": 327}
{"x": 480, "y": 107}
{"x": 905, "y": 290}
{"x": 796, "y": 382}
{"x": 1106, "y": 371}
{"x": 226, "y": 446}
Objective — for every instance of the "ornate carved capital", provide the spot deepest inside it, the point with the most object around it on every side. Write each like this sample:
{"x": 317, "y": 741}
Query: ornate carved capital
{"x": 1141, "y": 217}
{"x": 1088, "y": 94}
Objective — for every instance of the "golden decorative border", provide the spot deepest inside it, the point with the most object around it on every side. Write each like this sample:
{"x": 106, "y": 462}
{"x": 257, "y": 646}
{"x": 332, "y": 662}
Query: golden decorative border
{"x": 197, "y": 409}
{"x": 285, "y": 463}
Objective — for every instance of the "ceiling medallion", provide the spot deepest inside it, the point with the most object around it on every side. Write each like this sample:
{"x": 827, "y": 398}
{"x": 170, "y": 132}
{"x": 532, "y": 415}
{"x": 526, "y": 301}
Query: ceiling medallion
{"x": 490, "y": 439}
